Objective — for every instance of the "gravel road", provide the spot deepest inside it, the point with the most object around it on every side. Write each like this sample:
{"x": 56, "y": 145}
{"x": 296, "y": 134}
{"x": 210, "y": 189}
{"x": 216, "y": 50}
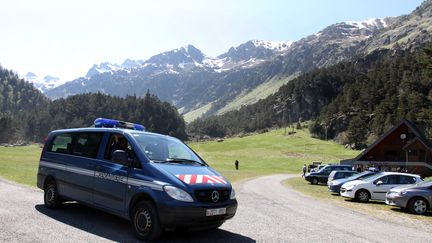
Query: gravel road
{"x": 268, "y": 212}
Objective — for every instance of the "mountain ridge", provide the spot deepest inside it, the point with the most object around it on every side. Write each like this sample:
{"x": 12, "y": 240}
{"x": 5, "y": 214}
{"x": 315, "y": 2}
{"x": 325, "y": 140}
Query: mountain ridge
{"x": 191, "y": 80}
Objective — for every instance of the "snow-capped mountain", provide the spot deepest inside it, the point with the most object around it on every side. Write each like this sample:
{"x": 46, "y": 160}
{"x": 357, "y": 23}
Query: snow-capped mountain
{"x": 355, "y": 29}
{"x": 368, "y": 24}
{"x": 260, "y": 50}
{"x": 248, "y": 54}
{"x": 44, "y": 84}
{"x": 190, "y": 79}
{"x": 198, "y": 83}
{"x": 189, "y": 58}
{"x": 102, "y": 68}
{"x": 107, "y": 67}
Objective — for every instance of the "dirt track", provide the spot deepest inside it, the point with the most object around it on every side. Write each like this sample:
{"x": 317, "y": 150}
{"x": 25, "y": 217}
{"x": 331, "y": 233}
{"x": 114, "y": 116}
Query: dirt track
{"x": 267, "y": 212}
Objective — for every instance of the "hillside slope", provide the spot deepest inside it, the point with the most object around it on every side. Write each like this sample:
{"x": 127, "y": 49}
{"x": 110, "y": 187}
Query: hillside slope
{"x": 352, "y": 101}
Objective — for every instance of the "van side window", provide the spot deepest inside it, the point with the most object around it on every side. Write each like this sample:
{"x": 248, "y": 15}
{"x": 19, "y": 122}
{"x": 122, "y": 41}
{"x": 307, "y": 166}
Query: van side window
{"x": 119, "y": 142}
{"x": 61, "y": 144}
{"x": 87, "y": 144}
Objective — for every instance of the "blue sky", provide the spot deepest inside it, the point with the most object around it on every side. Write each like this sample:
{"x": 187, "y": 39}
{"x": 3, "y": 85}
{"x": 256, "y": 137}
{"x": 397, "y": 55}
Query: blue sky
{"x": 65, "y": 38}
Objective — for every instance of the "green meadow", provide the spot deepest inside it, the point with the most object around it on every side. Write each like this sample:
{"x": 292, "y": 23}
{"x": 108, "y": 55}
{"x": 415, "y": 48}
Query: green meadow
{"x": 20, "y": 163}
{"x": 269, "y": 153}
{"x": 258, "y": 154}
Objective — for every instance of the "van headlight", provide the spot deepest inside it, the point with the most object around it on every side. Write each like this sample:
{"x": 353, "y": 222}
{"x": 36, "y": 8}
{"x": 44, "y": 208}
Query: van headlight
{"x": 232, "y": 196}
{"x": 178, "y": 194}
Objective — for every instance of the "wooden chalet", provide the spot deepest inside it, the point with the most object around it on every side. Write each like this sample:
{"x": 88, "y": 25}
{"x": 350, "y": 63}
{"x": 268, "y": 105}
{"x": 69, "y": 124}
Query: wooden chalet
{"x": 402, "y": 148}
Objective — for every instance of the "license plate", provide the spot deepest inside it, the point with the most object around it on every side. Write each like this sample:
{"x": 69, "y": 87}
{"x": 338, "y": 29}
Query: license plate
{"x": 215, "y": 211}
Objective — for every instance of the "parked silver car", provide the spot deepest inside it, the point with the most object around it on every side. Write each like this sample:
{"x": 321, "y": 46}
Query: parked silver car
{"x": 417, "y": 198}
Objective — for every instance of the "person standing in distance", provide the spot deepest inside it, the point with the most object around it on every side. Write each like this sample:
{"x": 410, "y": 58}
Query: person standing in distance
{"x": 304, "y": 170}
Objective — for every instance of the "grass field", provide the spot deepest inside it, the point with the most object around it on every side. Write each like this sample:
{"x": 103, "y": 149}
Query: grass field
{"x": 20, "y": 163}
{"x": 258, "y": 154}
{"x": 269, "y": 153}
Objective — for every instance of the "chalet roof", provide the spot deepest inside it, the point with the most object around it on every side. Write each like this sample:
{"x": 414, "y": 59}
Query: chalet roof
{"x": 414, "y": 140}
{"x": 419, "y": 135}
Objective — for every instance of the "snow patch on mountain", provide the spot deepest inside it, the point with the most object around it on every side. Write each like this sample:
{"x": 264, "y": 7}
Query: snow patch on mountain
{"x": 42, "y": 84}
{"x": 369, "y": 23}
{"x": 279, "y": 46}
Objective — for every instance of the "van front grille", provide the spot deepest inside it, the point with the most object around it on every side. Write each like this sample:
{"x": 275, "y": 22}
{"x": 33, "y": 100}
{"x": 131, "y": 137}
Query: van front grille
{"x": 206, "y": 195}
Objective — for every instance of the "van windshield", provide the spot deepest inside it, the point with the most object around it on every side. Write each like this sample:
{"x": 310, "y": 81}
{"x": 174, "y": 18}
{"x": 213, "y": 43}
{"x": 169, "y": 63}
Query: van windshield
{"x": 162, "y": 149}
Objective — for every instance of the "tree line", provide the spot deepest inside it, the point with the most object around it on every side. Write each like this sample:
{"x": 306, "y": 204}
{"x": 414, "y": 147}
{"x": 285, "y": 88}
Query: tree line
{"x": 26, "y": 115}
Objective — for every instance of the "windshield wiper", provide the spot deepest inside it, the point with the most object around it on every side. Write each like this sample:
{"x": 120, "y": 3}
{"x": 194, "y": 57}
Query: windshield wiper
{"x": 180, "y": 160}
{"x": 157, "y": 161}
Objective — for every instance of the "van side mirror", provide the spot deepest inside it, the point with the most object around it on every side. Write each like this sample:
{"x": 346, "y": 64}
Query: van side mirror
{"x": 120, "y": 156}
{"x": 379, "y": 183}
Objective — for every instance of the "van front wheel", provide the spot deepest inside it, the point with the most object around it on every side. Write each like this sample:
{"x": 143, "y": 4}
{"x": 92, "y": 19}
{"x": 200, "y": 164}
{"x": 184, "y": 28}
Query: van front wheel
{"x": 51, "y": 197}
{"x": 145, "y": 222}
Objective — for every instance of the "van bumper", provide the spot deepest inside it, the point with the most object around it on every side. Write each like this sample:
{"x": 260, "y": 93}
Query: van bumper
{"x": 194, "y": 216}
{"x": 40, "y": 180}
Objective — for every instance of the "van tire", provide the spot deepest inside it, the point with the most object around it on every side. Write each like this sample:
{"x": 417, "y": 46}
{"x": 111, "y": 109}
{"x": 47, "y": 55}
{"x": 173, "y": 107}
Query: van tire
{"x": 216, "y": 226}
{"x": 145, "y": 222}
{"x": 52, "y": 199}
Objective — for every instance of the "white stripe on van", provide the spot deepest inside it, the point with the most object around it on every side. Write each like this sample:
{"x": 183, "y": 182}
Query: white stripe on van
{"x": 120, "y": 179}
{"x": 187, "y": 179}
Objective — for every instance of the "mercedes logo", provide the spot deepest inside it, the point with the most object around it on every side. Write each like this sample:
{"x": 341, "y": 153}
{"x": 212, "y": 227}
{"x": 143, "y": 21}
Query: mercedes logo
{"x": 215, "y": 196}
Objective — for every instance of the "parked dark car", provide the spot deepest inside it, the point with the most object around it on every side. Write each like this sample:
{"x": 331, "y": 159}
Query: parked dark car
{"x": 321, "y": 176}
{"x": 319, "y": 167}
{"x": 339, "y": 174}
{"x": 335, "y": 185}
{"x": 315, "y": 166}
{"x": 416, "y": 198}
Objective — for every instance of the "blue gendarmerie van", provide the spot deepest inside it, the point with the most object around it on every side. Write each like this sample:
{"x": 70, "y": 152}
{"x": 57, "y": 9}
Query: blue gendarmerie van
{"x": 155, "y": 181}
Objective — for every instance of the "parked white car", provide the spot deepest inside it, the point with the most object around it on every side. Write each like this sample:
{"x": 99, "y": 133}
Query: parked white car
{"x": 375, "y": 187}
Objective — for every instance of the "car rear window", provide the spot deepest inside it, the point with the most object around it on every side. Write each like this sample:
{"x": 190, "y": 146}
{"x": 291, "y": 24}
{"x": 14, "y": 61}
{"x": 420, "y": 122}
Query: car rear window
{"x": 61, "y": 144}
{"x": 407, "y": 180}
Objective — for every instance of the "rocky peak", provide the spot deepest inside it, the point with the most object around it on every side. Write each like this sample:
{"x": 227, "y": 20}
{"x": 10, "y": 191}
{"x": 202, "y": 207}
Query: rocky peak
{"x": 184, "y": 55}
{"x": 128, "y": 63}
{"x": 102, "y": 68}
{"x": 255, "y": 49}
{"x": 353, "y": 29}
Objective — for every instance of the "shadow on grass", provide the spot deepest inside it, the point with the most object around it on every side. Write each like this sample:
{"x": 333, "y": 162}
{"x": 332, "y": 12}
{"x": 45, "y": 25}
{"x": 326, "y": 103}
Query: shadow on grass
{"x": 117, "y": 229}
{"x": 371, "y": 202}
{"x": 403, "y": 210}
{"x": 319, "y": 184}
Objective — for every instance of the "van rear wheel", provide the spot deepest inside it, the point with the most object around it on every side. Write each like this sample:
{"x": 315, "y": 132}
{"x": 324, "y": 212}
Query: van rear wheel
{"x": 145, "y": 222}
{"x": 52, "y": 199}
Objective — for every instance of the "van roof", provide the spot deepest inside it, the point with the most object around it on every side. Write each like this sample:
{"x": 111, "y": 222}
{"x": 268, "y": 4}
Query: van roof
{"x": 105, "y": 129}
